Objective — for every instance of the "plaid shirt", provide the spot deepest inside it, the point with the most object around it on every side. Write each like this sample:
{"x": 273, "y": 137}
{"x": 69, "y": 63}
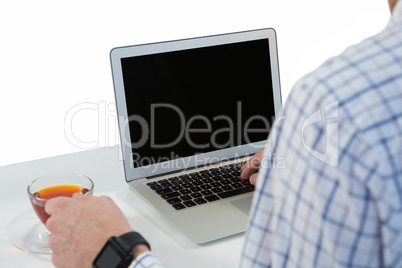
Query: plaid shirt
{"x": 330, "y": 190}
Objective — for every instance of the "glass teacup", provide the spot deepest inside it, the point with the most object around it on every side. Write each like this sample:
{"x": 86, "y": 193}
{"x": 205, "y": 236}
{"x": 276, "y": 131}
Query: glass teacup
{"x": 25, "y": 231}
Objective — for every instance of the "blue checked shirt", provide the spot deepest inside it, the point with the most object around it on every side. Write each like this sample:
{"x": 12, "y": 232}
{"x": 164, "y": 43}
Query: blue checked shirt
{"x": 329, "y": 192}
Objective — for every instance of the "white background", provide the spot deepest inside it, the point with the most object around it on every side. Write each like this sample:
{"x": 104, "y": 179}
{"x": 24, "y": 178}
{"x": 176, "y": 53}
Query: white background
{"x": 54, "y": 55}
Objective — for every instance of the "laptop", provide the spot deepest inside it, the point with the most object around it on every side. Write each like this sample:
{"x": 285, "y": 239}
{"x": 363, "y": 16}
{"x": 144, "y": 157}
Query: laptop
{"x": 190, "y": 113}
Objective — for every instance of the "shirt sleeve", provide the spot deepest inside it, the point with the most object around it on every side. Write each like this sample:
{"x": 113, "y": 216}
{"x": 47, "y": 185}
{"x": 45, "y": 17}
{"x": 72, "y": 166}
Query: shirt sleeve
{"x": 146, "y": 260}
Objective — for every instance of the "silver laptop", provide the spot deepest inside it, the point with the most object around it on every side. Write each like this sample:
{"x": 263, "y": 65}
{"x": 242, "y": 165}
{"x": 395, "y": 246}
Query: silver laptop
{"x": 191, "y": 112}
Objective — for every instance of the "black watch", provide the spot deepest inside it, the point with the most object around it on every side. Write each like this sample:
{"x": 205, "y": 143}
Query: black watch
{"x": 117, "y": 252}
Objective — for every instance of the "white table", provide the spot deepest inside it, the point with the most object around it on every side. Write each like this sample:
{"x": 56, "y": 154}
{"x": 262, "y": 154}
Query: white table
{"x": 105, "y": 168}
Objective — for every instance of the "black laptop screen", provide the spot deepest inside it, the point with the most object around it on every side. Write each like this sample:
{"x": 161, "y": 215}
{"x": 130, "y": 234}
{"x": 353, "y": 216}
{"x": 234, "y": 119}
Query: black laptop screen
{"x": 198, "y": 100}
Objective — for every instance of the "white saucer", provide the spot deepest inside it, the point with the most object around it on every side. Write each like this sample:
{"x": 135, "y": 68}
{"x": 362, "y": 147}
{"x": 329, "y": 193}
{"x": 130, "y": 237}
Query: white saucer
{"x": 28, "y": 233}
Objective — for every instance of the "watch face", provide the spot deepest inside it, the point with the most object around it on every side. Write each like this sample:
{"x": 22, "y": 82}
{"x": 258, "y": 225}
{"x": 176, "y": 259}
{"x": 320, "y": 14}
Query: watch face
{"x": 112, "y": 256}
{"x": 108, "y": 258}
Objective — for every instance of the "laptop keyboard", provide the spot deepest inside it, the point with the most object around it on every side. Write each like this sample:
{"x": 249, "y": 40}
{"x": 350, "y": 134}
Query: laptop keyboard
{"x": 201, "y": 187}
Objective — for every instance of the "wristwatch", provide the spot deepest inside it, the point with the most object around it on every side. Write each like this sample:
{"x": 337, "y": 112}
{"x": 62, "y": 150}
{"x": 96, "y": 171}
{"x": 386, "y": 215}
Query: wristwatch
{"x": 117, "y": 252}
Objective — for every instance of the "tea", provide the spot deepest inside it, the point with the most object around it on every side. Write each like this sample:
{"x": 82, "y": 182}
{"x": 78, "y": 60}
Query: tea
{"x": 51, "y": 192}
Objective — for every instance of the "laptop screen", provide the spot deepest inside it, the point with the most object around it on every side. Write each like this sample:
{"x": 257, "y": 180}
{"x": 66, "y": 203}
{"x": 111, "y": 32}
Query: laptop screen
{"x": 199, "y": 100}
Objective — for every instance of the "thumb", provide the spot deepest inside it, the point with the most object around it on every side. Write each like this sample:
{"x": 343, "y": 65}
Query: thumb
{"x": 77, "y": 196}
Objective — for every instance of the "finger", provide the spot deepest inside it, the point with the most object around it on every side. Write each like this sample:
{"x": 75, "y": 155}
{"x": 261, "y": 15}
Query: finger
{"x": 249, "y": 168}
{"x": 49, "y": 206}
{"x": 252, "y": 165}
{"x": 253, "y": 179}
{"x": 50, "y": 225}
{"x": 56, "y": 244}
{"x": 55, "y": 204}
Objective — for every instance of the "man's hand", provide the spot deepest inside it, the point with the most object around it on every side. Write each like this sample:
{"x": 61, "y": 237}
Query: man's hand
{"x": 249, "y": 169}
{"x": 80, "y": 227}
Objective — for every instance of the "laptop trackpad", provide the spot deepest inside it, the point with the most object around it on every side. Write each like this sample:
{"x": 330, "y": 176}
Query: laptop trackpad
{"x": 244, "y": 204}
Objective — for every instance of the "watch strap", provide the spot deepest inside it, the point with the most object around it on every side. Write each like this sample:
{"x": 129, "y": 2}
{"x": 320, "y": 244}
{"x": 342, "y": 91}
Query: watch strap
{"x": 129, "y": 240}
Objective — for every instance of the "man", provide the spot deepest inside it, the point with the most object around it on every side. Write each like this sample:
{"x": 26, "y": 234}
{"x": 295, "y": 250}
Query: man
{"x": 338, "y": 201}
